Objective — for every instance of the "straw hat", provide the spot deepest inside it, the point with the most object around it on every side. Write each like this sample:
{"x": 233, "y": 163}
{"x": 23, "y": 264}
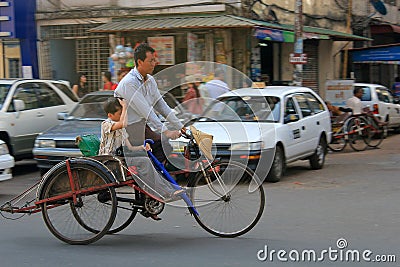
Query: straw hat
{"x": 194, "y": 78}
{"x": 204, "y": 141}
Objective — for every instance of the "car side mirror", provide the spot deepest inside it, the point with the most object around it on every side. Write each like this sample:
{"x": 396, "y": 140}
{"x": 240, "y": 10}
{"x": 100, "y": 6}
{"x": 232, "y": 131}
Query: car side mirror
{"x": 62, "y": 116}
{"x": 19, "y": 104}
{"x": 291, "y": 118}
{"x": 396, "y": 100}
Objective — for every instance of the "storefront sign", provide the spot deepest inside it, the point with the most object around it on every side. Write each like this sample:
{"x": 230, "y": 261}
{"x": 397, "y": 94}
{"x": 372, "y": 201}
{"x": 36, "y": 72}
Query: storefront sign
{"x": 297, "y": 58}
{"x": 165, "y": 49}
{"x": 391, "y": 53}
{"x": 274, "y": 35}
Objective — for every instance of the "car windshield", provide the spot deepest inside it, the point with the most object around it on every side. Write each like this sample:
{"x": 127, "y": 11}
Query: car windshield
{"x": 244, "y": 108}
{"x": 4, "y": 88}
{"x": 90, "y": 108}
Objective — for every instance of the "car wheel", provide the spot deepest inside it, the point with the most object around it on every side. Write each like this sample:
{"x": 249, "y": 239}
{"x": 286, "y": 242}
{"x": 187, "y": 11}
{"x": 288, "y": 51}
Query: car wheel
{"x": 317, "y": 160}
{"x": 278, "y": 166}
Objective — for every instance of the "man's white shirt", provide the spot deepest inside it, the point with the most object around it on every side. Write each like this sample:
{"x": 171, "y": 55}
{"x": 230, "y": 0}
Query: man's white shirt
{"x": 355, "y": 104}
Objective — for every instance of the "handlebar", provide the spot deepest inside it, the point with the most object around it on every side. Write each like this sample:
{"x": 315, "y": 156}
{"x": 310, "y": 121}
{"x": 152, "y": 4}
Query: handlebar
{"x": 186, "y": 133}
{"x": 148, "y": 141}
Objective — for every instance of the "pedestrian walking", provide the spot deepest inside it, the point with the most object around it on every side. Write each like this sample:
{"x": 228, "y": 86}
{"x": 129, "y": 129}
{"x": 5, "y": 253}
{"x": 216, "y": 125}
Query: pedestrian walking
{"x": 217, "y": 86}
{"x": 192, "y": 99}
{"x": 108, "y": 84}
{"x": 80, "y": 86}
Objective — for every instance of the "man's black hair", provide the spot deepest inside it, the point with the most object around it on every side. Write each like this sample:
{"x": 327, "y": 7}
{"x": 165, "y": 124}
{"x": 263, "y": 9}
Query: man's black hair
{"x": 357, "y": 89}
{"x": 107, "y": 74}
{"x": 140, "y": 52}
{"x": 112, "y": 105}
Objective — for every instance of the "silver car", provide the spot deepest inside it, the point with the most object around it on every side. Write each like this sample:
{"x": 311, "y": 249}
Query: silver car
{"x": 29, "y": 107}
{"x": 58, "y": 143}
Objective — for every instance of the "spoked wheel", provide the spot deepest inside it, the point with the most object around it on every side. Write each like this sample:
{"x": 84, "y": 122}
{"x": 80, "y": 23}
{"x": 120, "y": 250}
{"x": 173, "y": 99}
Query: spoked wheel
{"x": 338, "y": 142}
{"x": 357, "y": 128}
{"x": 376, "y": 133}
{"x": 231, "y": 205}
{"x": 125, "y": 211}
{"x": 86, "y": 218}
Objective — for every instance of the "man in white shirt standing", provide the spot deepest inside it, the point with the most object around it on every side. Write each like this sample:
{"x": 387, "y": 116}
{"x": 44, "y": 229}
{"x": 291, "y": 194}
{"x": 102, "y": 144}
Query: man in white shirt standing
{"x": 355, "y": 102}
{"x": 217, "y": 86}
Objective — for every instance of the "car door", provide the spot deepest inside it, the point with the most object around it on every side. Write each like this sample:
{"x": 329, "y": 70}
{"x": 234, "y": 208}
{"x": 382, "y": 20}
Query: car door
{"x": 309, "y": 130}
{"x": 50, "y": 104}
{"x": 27, "y": 123}
{"x": 291, "y": 131}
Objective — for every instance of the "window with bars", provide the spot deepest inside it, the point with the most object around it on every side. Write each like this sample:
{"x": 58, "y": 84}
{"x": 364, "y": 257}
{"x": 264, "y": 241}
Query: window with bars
{"x": 91, "y": 51}
{"x": 14, "y": 66}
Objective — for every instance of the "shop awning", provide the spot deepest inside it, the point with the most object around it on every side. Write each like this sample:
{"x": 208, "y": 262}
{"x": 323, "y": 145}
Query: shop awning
{"x": 216, "y": 21}
{"x": 388, "y": 54}
{"x": 175, "y": 22}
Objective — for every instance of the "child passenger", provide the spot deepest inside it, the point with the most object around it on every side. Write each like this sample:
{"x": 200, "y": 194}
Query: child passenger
{"x": 114, "y": 137}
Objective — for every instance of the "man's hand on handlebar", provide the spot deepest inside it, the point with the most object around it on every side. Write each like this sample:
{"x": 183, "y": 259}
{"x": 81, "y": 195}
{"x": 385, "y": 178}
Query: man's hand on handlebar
{"x": 172, "y": 134}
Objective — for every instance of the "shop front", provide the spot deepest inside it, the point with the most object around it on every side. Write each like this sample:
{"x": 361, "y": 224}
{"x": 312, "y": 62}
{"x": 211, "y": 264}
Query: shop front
{"x": 259, "y": 49}
{"x": 377, "y": 64}
{"x": 223, "y": 39}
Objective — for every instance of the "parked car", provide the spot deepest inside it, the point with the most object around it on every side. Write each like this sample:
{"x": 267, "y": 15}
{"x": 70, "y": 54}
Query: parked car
{"x": 29, "y": 107}
{"x": 58, "y": 143}
{"x": 267, "y": 128}
{"x": 6, "y": 162}
{"x": 382, "y": 103}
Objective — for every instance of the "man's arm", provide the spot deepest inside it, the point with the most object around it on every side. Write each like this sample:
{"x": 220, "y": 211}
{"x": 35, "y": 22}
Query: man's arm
{"x": 162, "y": 107}
{"x": 139, "y": 104}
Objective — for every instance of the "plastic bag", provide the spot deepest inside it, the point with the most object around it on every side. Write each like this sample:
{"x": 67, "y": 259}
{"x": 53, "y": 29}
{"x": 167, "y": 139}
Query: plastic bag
{"x": 89, "y": 144}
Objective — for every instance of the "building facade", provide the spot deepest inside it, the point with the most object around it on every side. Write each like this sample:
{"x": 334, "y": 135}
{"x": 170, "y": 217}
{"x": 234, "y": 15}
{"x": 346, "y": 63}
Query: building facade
{"x": 255, "y": 37}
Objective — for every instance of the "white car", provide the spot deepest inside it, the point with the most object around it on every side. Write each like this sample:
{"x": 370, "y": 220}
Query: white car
{"x": 267, "y": 128}
{"x": 381, "y": 101}
{"x": 6, "y": 162}
{"x": 29, "y": 107}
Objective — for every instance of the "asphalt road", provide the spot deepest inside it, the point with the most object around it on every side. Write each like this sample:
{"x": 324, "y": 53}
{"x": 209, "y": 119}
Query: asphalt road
{"x": 349, "y": 208}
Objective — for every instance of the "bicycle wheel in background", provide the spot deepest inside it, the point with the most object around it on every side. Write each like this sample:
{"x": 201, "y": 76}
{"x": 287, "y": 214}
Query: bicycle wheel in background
{"x": 338, "y": 142}
{"x": 376, "y": 132}
{"x": 125, "y": 211}
{"x": 88, "y": 218}
{"x": 357, "y": 129}
{"x": 231, "y": 205}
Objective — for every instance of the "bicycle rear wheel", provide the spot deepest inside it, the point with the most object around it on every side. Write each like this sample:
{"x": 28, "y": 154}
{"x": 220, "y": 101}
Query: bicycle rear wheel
{"x": 230, "y": 200}
{"x": 125, "y": 211}
{"x": 376, "y": 133}
{"x": 338, "y": 142}
{"x": 357, "y": 129}
{"x": 90, "y": 216}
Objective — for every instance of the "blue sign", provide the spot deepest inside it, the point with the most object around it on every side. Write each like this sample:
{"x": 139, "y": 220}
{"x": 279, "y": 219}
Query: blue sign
{"x": 18, "y": 21}
{"x": 391, "y": 53}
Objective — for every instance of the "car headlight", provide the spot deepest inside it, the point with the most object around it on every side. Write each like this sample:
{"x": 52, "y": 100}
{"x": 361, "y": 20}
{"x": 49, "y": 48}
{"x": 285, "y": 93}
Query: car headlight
{"x": 247, "y": 146}
{"x": 45, "y": 143}
{"x": 3, "y": 149}
{"x": 178, "y": 146}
